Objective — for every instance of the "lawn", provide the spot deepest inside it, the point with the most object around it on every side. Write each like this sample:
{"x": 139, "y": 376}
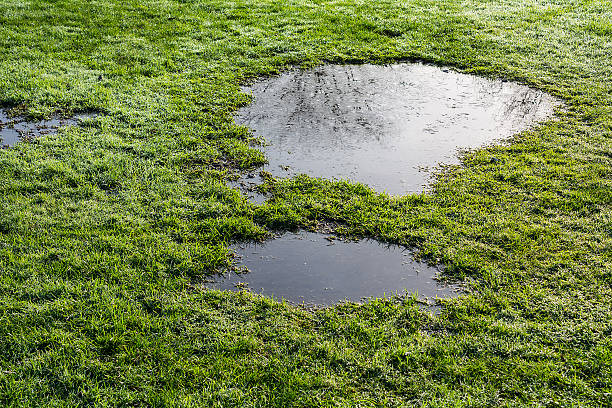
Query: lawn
{"x": 107, "y": 229}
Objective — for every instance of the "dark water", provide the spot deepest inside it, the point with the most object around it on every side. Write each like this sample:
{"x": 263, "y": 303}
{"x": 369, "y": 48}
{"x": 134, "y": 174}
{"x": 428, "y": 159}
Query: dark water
{"x": 308, "y": 268}
{"x": 384, "y": 126}
{"x": 16, "y": 129}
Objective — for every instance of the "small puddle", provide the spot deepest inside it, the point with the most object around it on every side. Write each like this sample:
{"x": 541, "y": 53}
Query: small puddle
{"x": 384, "y": 126}
{"x": 247, "y": 183}
{"x": 316, "y": 269}
{"x": 16, "y": 129}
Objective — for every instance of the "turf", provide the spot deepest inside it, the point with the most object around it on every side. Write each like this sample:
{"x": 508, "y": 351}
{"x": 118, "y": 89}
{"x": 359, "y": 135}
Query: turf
{"x": 107, "y": 229}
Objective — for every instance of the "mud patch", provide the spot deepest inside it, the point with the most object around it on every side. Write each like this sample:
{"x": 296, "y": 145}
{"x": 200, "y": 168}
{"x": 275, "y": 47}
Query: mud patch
{"x": 317, "y": 269}
{"x": 16, "y": 129}
{"x": 384, "y": 126}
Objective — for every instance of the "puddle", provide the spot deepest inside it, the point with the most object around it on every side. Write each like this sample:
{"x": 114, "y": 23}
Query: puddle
{"x": 315, "y": 269}
{"x": 247, "y": 183}
{"x": 384, "y": 126}
{"x": 16, "y": 129}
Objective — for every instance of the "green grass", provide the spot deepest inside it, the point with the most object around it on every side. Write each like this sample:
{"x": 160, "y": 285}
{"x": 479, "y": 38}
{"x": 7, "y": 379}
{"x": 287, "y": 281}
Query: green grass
{"x": 107, "y": 229}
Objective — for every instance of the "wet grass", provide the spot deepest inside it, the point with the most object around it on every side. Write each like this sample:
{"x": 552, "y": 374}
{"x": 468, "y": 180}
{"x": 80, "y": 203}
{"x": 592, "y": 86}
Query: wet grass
{"x": 107, "y": 228}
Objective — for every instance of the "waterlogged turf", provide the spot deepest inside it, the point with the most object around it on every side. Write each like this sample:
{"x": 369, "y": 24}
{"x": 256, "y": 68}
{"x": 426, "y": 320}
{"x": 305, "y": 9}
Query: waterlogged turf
{"x": 315, "y": 269}
{"x": 109, "y": 229}
{"x": 16, "y": 129}
{"x": 383, "y": 125}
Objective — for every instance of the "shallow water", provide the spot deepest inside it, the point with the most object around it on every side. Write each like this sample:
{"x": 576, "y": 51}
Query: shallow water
{"x": 313, "y": 268}
{"x": 15, "y": 129}
{"x": 384, "y": 126}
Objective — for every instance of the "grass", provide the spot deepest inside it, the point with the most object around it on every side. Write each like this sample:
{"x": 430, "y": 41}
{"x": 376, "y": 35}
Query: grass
{"x": 107, "y": 229}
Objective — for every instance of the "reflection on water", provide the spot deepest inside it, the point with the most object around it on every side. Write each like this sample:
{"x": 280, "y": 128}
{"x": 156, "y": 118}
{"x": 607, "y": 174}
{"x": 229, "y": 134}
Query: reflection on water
{"x": 316, "y": 269}
{"x": 382, "y": 125}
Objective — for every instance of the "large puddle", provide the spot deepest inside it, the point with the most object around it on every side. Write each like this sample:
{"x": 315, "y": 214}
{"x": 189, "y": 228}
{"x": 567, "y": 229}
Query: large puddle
{"x": 317, "y": 269}
{"x": 16, "y": 129}
{"x": 384, "y": 126}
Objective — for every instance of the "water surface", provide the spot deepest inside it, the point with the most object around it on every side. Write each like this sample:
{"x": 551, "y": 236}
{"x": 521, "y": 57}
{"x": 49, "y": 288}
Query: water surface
{"x": 16, "y": 129}
{"x": 314, "y": 268}
{"x": 384, "y": 126}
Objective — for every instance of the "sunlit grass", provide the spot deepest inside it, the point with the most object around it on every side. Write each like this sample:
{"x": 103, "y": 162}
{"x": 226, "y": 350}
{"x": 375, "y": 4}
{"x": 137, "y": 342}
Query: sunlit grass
{"x": 107, "y": 229}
